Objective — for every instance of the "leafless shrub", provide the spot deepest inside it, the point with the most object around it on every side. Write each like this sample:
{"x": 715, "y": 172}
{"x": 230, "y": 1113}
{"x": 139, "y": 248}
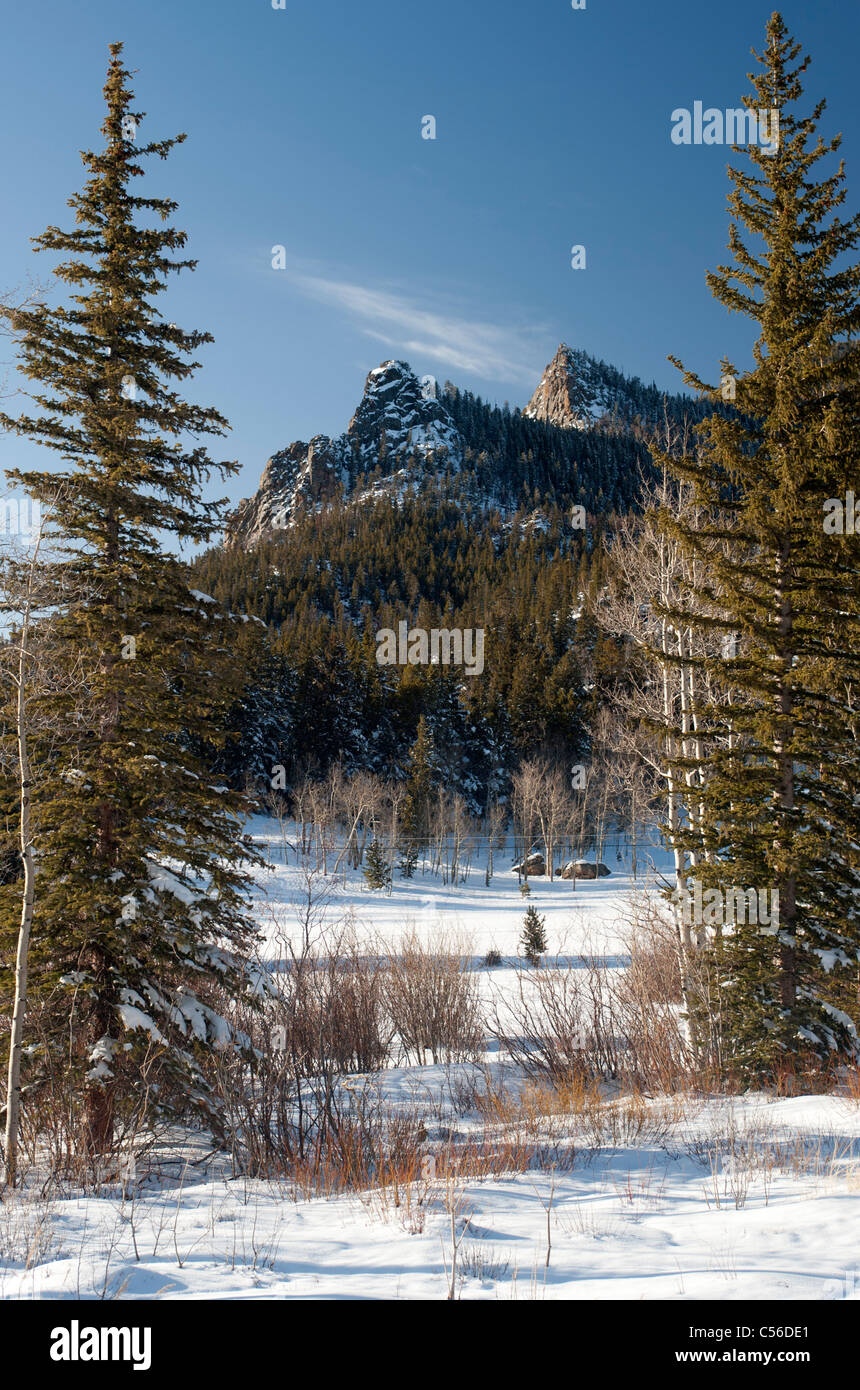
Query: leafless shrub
{"x": 553, "y": 1029}
{"x": 337, "y": 1006}
{"x": 27, "y": 1232}
{"x": 433, "y": 1003}
{"x": 589, "y": 1020}
{"x": 647, "y": 1009}
{"x": 675, "y": 993}
{"x": 54, "y": 1149}
{"x": 259, "y": 1093}
{"x": 324, "y": 1019}
{"x": 632, "y": 1121}
{"x": 482, "y": 1262}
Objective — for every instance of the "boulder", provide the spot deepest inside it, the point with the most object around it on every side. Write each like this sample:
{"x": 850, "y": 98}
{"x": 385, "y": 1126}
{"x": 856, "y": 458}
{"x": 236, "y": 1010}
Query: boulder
{"x": 582, "y": 868}
{"x": 532, "y": 867}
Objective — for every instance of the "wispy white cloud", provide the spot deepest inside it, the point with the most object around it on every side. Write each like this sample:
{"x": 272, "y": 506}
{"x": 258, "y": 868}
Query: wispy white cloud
{"x": 493, "y": 352}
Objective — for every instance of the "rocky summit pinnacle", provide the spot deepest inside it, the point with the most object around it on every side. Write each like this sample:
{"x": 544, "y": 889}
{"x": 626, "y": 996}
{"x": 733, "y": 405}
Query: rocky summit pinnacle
{"x": 408, "y": 411}
{"x": 565, "y": 397}
{"x": 401, "y": 423}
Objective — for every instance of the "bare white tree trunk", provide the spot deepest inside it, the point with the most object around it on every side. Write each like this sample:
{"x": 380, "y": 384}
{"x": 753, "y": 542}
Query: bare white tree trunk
{"x": 25, "y": 840}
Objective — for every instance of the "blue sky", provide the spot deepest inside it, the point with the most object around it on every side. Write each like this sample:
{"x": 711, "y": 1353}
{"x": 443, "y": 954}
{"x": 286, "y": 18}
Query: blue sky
{"x": 304, "y": 129}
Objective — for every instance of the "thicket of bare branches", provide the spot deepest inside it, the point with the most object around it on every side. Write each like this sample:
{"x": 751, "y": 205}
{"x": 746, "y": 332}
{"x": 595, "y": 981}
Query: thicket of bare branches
{"x": 433, "y": 1002}
{"x": 327, "y": 823}
{"x": 593, "y": 1020}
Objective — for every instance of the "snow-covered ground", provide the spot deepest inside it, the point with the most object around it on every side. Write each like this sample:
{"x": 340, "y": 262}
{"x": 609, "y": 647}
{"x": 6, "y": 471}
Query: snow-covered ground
{"x": 581, "y": 916}
{"x": 652, "y": 1220}
{"x": 740, "y": 1198}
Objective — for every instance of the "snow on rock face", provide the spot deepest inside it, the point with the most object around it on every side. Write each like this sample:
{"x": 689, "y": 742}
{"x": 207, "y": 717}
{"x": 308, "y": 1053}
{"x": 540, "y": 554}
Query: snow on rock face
{"x": 300, "y": 475}
{"x": 396, "y": 404}
{"x": 566, "y": 395}
{"x": 399, "y": 419}
{"x": 579, "y": 392}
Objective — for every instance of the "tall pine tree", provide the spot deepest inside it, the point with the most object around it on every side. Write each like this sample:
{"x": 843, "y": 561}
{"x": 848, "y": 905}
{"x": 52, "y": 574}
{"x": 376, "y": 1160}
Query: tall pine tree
{"x": 140, "y": 914}
{"x": 420, "y": 781}
{"x": 775, "y": 762}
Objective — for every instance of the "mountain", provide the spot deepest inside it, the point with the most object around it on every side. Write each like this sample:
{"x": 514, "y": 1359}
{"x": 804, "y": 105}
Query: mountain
{"x": 400, "y": 426}
{"x": 440, "y": 510}
{"x": 578, "y": 392}
{"x": 565, "y": 396}
{"x": 580, "y": 440}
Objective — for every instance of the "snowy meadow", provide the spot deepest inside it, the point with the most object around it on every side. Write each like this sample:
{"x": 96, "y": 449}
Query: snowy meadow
{"x": 428, "y": 1116}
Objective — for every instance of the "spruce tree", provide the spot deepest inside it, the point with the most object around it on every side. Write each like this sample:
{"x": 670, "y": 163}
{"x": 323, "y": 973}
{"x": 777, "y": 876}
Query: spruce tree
{"x": 533, "y": 939}
{"x": 419, "y": 790}
{"x": 377, "y": 874}
{"x": 408, "y": 859}
{"x": 141, "y": 879}
{"x": 777, "y": 597}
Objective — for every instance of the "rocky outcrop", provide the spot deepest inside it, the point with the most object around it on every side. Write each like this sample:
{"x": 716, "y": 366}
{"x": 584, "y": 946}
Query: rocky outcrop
{"x": 403, "y": 432}
{"x": 302, "y": 475}
{"x": 404, "y": 415}
{"x": 401, "y": 425}
{"x": 579, "y": 392}
{"x": 558, "y": 398}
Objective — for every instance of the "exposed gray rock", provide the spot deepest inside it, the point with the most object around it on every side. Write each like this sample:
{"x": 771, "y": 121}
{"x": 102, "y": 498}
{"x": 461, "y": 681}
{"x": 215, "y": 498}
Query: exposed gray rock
{"x": 565, "y": 396}
{"x": 302, "y": 475}
{"x": 532, "y": 867}
{"x": 581, "y": 868}
{"x": 407, "y": 411}
{"x": 401, "y": 425}
{"x": 578, "y": 392}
